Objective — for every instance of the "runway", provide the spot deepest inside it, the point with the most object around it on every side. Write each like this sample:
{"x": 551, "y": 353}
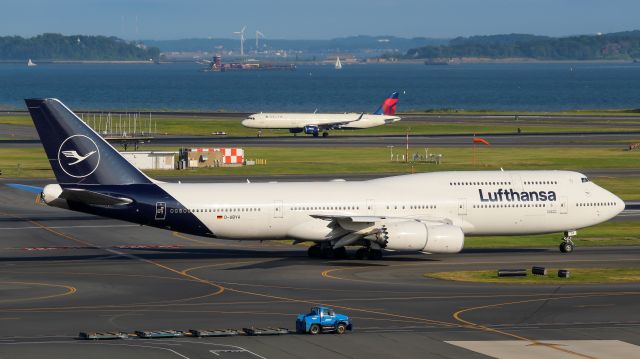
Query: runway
{"x": 63, "y": 272}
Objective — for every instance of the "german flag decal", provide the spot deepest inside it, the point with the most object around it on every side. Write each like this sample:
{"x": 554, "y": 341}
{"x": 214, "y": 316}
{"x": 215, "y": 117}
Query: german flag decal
{"x": 219, "y": 217}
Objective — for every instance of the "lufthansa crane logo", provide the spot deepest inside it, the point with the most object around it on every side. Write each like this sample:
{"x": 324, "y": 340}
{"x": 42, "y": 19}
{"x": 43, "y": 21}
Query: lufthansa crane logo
{"x": 78, "y": 156}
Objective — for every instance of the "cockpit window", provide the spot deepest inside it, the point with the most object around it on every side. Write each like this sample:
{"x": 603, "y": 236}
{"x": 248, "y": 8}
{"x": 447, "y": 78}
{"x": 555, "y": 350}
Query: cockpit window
{"x": 584, "y": 179}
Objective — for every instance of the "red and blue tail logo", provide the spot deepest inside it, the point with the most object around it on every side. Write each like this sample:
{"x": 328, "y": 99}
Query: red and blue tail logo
{"x": 388, "y": 106}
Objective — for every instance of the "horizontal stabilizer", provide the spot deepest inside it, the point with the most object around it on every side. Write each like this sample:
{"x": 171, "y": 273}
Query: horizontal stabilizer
{"x": 92, "y": 198}
{"x": 24, "y": 187}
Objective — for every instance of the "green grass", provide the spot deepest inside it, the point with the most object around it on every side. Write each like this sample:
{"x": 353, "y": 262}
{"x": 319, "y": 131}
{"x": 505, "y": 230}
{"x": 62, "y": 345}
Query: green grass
{"x": 16, "y": 120}
{"x": 612, "y": 233}
{"x": 300, "y": 160}
{"x": 312, "y": 160}
{"x": 577, "y": 276}
{"x": 202, "y": 126}
{"x": 24, "y": 163}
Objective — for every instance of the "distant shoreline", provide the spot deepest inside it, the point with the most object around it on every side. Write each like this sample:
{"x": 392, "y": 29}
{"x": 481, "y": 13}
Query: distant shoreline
{"x": 510, "y": 60}
{"x": 371, "y": 61}
{"x": 81, "y": 62}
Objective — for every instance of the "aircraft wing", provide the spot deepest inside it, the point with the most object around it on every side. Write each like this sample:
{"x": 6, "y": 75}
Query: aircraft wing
{"x": 353, "y": 219}
{"x": 373, "y": 219}
{"x": 354, "y": 228}
{"x": 339, "y": 123}
{"x": 92, "y": 198}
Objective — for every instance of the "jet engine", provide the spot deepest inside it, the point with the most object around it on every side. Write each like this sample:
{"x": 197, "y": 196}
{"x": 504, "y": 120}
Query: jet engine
{"x": 419, "y": 236}
{"x": 311, "y": 129}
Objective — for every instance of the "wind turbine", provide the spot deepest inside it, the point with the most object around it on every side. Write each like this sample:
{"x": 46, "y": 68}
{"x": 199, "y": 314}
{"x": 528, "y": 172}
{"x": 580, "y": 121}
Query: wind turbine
{"x": 241, "y": 33}
{"x": 258, "y": 36}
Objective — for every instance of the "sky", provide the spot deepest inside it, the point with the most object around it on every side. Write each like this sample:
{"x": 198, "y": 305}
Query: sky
{"x": 315, "y": 19}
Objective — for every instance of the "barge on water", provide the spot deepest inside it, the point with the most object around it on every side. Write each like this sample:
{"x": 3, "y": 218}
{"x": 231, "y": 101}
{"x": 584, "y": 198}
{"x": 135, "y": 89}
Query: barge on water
{"x": 217, "y": 66}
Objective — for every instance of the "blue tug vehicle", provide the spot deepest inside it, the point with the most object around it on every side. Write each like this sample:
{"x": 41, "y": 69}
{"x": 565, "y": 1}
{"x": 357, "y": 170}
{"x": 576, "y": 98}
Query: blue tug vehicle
{"x": 322, "y": 319}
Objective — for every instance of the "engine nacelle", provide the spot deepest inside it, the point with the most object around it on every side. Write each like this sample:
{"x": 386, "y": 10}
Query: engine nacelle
{"x": 311, "y": 129}
{"x": 418, "y": 236}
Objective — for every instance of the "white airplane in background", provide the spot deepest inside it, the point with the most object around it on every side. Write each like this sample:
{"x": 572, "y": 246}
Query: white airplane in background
{"x": 314, "y": 123}
{"x": 428, "y": 212}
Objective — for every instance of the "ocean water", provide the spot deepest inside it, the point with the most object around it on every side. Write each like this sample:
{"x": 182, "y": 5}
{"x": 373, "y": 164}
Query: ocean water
{"x": 357, "y": 88}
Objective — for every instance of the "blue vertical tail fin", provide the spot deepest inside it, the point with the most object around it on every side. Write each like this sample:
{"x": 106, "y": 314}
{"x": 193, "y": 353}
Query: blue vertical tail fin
{"x": 77, "y": 154}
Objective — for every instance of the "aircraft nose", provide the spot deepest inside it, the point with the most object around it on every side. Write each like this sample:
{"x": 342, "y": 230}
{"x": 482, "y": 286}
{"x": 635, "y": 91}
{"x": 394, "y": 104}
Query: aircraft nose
{"x": 619, "y": 204}
{"x": 245, "y": 122}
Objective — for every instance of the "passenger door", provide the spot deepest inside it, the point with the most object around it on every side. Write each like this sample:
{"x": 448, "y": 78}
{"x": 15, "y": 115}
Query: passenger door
{"x": 564, "y": 205}
{"x": 371, "y": 207}
{"x": 277, "y": 209}
{"x": 161, "y": 211}
{"x": 462, "y": 207}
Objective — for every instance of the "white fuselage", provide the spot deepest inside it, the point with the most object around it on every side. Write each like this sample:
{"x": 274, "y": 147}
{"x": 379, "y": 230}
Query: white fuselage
{"x": 480, "y": 203}
{"x": 300, "y": 120}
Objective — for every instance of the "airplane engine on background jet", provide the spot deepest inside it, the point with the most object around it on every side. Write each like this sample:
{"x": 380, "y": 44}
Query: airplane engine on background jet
{"x": 311, "y": 129}
{"x": 419, "y": 236}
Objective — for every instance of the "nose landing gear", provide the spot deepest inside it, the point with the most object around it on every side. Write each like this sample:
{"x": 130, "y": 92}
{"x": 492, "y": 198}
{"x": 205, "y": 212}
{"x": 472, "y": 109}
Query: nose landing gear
{"x": 567, "y": 244}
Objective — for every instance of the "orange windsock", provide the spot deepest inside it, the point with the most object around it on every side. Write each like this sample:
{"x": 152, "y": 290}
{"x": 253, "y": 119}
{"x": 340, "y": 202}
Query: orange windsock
{"x": 481, "y": 140}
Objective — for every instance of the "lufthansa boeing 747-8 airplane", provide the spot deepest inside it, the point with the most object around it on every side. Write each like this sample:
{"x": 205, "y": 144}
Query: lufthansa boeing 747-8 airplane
{"x": 430, "y": 212}
{"x": 314, "y": 123}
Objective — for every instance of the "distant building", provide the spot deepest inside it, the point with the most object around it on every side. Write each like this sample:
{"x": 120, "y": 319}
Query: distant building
{"x": 212, "y": 157}
{"x": 151, "y": 160}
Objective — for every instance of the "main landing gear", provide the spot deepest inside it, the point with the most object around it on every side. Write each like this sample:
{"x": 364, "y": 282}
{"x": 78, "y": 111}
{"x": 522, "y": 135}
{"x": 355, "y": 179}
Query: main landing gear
{"x": 324, "y": 250}
{"x": 567, "y": 244}
{"x": 369, "y": 253}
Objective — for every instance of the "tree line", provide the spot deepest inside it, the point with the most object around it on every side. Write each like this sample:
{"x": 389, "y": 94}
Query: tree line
{"x": 614, "y": 46}
{"x": 75, "y": 47}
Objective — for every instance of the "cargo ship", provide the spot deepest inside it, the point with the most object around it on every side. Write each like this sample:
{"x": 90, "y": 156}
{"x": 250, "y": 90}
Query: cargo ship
{"x": 218, "y": 66}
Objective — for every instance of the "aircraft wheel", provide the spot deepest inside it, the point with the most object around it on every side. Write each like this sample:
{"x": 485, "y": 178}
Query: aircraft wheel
{"x": 566, "y": 247}
{"x": 340, "y": 253}
{"x": 327, "y": 252}
{"x": 325, "y": 134}
{"x": 314, "y": 251}
{"x": 362, "y": 253}
{"x": 315, "y": 134}
{"x": 375, "y": 254}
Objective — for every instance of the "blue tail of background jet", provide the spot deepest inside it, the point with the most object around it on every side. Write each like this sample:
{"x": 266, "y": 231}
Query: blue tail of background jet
{"x": 388, "y": 106}
{"x": 77, "y": 154}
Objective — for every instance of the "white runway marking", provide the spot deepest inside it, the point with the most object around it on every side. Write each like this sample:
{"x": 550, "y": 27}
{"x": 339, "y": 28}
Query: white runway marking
{"x": 521, "y": 349}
